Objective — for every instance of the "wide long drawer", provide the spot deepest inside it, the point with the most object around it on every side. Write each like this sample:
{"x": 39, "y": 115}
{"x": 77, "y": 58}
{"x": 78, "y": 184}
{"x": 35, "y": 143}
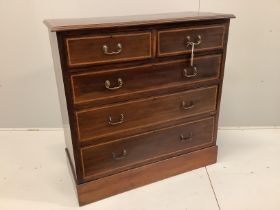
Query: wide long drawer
{"x": 106, "y": 159}
{"x": 141, "y": 115}
{"x": 116, "y": 84}
{"x": 96, "y": 49}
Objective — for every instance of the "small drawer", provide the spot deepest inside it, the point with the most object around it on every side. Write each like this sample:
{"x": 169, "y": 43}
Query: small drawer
{"x": 176, "y": 41}
{"x": 108, "y": 48}
{"x": 113, "y": 157}
{"x": 116, "y": 84}
{"x": 141, "y": 115}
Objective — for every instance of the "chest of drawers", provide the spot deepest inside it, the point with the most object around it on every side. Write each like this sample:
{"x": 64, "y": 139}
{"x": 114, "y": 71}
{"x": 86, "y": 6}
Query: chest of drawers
{"x": 139, "y": 96}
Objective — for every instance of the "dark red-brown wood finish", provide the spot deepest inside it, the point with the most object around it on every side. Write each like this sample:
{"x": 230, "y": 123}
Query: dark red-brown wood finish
{"x": 133, "y": 99}
{"x": 89, "y": 87}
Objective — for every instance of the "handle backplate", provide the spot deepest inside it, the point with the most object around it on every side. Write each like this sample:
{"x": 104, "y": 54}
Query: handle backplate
{"x": 108, "y": 84}
{"x": 186, "y": 138}
{"x": 121, "y": 156}
{"x": 121, "y": 120}
{"x": 194, "y": 72}
{"x": 191, "y": 42}
{"x": 187, "y": 106}
{"x": 107, "y": 52}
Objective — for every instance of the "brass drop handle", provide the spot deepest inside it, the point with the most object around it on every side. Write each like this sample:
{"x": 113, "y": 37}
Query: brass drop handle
{"x": 187, "y": 106}
{"x": 190, "y": 42}
{"x": 121, "y": 120}
{"x": 186, "y": 138}
{"x": 121, "y": 156}
{"x": 192, "y": 74}
{"x": 106, "y": 49}
{"x": 108, "y": 84}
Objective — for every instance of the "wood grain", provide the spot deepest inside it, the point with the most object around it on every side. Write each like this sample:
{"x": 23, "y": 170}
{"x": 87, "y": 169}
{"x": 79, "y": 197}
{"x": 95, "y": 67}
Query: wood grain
{"x": 98, "y": 160}
{"x": 140, "y": 114}
{"x": 62, "y": 100}
{"x": 90, "y": 87}
{"x": 135, "y": 20}
{"x": 127, "y": 180}
{"x": 85, "y": 50}
{"x": 150, "y": 99}
{"x": 174, "y": 41}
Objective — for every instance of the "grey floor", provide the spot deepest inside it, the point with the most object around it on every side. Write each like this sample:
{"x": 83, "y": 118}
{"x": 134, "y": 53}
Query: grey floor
{"x": 34, "y": 176}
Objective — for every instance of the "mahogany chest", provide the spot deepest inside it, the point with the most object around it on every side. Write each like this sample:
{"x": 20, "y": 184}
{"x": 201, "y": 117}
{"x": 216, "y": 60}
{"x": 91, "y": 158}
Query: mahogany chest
{"x": 139, "y": 96}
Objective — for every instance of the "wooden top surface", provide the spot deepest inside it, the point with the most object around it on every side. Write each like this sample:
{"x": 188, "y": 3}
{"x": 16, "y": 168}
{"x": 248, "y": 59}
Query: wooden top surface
{"x": 105, "y": 22}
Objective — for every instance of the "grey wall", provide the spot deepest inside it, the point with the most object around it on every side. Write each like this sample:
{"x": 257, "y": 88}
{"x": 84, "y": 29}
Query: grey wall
{"x": 27, "y": 85}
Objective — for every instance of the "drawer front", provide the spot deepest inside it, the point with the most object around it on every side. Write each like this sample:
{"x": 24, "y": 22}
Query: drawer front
{"x": 108, "y": 48}
{"x": 175, "y": 41}
{"x": 141, "y": 115}
{"x": 126, "y": 153}
{"x": 118, "y": 83}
